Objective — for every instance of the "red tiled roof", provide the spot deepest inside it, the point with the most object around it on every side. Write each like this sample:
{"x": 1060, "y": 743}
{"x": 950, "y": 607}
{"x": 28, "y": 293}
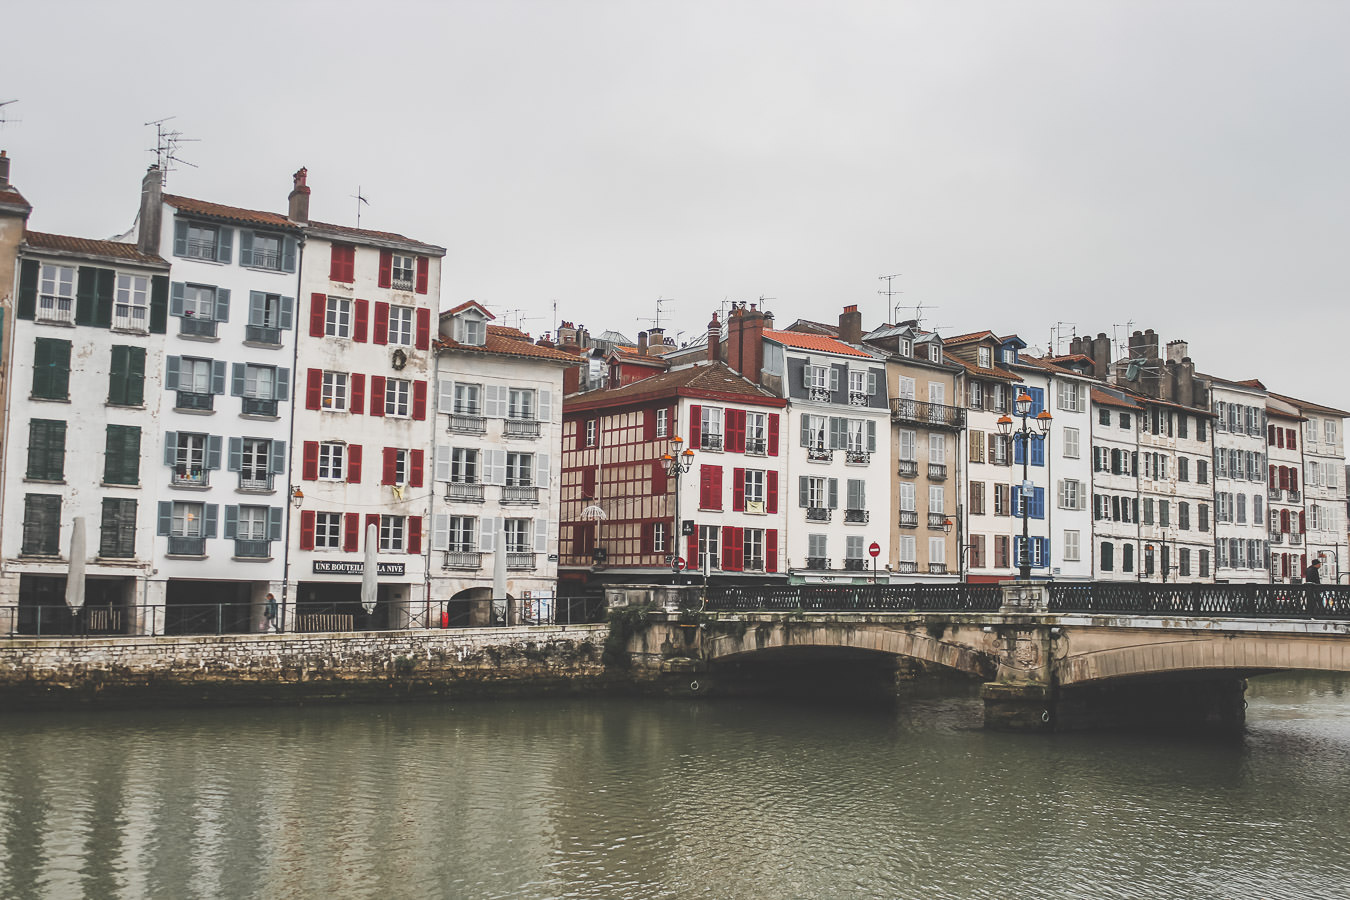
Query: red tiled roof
{"x": 507, "y": 331}
{"x": 1105, "y": 399}
{"x": 357, "y": 233}
{"x": 708, "y": 379}
{"x": 113, "y": 249}
{"x": 11, "y": 197}
{"x": 817, "y": 342}
{"x": 230, "y": 213}
{"x": 1308, "y": 406}
{"x": 503, "y": 345}
{"x": 974, "y": 369}
{"x": 465, "y": 305}
{"x": 973, "y": 336}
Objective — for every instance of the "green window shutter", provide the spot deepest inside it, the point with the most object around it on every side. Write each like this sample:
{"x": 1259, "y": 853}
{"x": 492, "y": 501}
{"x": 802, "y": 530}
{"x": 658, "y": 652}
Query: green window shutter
{"x": 288, "y": 246}
{"x": 222, "y": 305}
{"x": 180, "y": 233}
{"x": 28, "y": 286}
{"x": 103, "y": 304}
{"x": 257, "y": 306}
{"x": 224, "y": 240}
{"x": 51, "y": 369}
{"x": 117, "y": 375}
{"x": 177, "y": 298}
{"x": 122, "y": 456}
{"x": 235, "y": 457}
{"x": 236, "y": 379}
{"x": 86, "y": 294}
{"x": 231, "y": 522}
{"x": 159, "y": 304}
{"x": 47, "y": 449}
{"x": 287, "y": 313}
{"x": 135, "y": 376}
{"x": 245, "y": 247}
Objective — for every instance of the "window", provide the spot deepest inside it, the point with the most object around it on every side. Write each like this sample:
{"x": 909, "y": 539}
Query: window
{"x": 328, "y": 531}
{"x": 907, "y": 441}
{"x": 201, "y": 242}
{"x": 1070, "y": 443}
{"x": 977, "y": 498}
{"x": 260, "y": 382}
{"x": 194, "y": 376}
{"x": 391, "y": 533}
{"x": 46, "y": 450}
{"x": 463, "y": 465}
{"x": 473, "y": 331}
{"x": 1329, "y": 430}
{"x": 396, "y": 391}
{"x": 41, "y": 524}
{"x": 937, "y": 504}
{"x": 1183, "y": 515}
{"x": 976, "y": 395}
{"x": 1202, "y": 471}
{"x": 255, "y": 463}
{"x": 338, "y": 320}
{"x": 975, "y": 441}
{"x": 1104, "y": 418}
{"x": 756, "y": 433}
{"x": 853, "y": 547}
{"x": 468, "y": 399}
{"x": 1002, "y": 500}
{"x": 753, "y": 549}
{"x": 1202, "y": 514}
{"x": 754, "y": 489}
{"x": 708, "y": 546}
{"x": 335, "y": 391}
{"x": 332, "y": 460}
{"x": 1071, "y": 494}
{"x": 986, "y": 358}
{"x": 1069, "y": 393}
{"x": 1183, "y": 468}
{"x": 710, "y": 428}
{"x": 590, "y": 432}
{"x": 401, "y": 325}
{"x": 126, "y": 376}
{"x": 816, "y": 493}
{"x": 403, "y": 271}
{"x": 463, "y": 537}
{"x": 56, "y": 293}
{"x": 816, "y": 548}
{"x": 190, "y": 460}
{"x": 856, "y": 494}
{"x": 122, "y": 455}
{"x": 520, "y": 469}
{"x": 1164, "y": 513}
{"x": 662, "y": 422}
{"x": 1127, "y": 558}
{"x": 265, "y": 252}
{"x": 251, "y": 524}
{"x": 937, "y": 447}
{"x": 117, "y": 534}
{"x": 658, "y": 537}
{"x": 1070, "y": 546}
{"x": 520, "y": 404}
{"x": 187, "y": 520}
{"x": 396, "y": 466}
{"x": 51, "y": 369}
{"x": 132, "y": 308}
{"x": 908, "y": 503}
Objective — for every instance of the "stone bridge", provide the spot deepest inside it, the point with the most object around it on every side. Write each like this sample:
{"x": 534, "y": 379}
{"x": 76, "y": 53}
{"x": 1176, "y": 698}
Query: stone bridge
{"x": 1049, "y": 657}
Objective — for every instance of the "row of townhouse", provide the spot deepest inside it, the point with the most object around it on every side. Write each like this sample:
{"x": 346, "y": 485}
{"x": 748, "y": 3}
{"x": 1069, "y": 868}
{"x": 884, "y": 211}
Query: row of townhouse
{"x": 895, "y": 441}
{"x": 235, "y": 402}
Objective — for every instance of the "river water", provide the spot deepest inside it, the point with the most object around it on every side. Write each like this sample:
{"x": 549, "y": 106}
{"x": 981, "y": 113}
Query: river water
{"x": 643, "y": 799}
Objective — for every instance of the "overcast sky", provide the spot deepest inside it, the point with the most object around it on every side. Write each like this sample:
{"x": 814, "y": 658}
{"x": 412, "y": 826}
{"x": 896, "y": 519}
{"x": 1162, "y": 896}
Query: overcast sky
{"x": 1183, "y": 166}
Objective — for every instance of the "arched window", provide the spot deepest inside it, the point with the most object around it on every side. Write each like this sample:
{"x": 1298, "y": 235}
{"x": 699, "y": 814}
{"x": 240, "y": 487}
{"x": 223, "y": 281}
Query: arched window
{"x": 1284, "y": 521}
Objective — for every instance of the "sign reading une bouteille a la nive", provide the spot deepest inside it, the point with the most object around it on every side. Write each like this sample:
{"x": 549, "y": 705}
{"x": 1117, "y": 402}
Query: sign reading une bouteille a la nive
{"x": 353, "y": 567}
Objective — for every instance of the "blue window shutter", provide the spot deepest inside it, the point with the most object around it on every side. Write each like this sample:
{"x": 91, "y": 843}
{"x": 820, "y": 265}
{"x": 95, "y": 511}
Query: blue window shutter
{"x": 1038, "y": 505}
{"x": 222, "y": 305}
{"x": 213, "y": 451}
{"x": 282, "y": 384}
{"x": 180, "y": 229}
{"x": 1018, "y": 444}
{"x": 170, "y": 373}
{"x": 231, "y": 522}
{"x": 1038, "y": 452}
{"x": 236, "y": 379}
{"x": 871, "y": 437}
{"x": 165, "y": 518}
{"x": 170, "y": 448}
{"x": 235, "y": 459}
{"x": 176, "y": 302}
{"x": 224, "y": 240}
{"x": 245, "y": 247}
{"x": 274, "y": 523}
{"x": 209, "y": 520}
{"x": 285, "y": 320}
{"x": 217, "y": 376}
{"x": 279, "y": 457}
{"x": 288, "y": 254}
{"x": 257, "y": 307}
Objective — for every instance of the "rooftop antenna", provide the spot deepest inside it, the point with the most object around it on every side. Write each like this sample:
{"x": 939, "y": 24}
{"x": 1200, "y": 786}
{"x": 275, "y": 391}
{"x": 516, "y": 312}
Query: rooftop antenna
{"x": 1122, "y": 347}
{"x": 1057, "y": 335}
{"x": 889, "y": 294}
{"x": 656, "y": 320}
{"x": 166, "y": 149}
{"x": 359, "y": 198}
{"x": 3, "y": 104}
{"x": 918, "y": 313}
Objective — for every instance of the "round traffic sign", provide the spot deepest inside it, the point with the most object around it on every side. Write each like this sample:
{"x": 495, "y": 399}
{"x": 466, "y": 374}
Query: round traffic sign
{"x": 677, "y": 563}
{"x": 875, "y": 549}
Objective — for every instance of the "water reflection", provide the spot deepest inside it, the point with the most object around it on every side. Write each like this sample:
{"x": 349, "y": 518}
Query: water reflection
{"x": 619, "y": 798}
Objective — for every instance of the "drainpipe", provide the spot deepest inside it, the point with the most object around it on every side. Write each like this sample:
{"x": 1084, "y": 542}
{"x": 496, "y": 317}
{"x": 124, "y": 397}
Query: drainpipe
{"x": 290, "y": 449}
{"x": 430, "y": 530}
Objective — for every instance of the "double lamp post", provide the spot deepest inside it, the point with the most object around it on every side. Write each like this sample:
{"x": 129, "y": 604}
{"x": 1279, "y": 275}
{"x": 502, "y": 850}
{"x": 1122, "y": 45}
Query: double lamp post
{"x": 1022, "y": 407}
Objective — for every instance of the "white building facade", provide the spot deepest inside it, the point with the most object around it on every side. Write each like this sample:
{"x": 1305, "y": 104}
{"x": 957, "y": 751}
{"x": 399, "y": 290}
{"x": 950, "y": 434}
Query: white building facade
{"x": 1241, "y": 537}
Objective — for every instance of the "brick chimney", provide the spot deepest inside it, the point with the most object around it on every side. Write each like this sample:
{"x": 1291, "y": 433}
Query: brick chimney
{"x": 299, "y": 198}
{"x": 745, "y": 341}
{"x": 642, "y": 343}
{"x": 4, "y": 169}
{"x": 850, "y": 325}
{"x": 714, "y": 338}
{"x": 152, "y": 211}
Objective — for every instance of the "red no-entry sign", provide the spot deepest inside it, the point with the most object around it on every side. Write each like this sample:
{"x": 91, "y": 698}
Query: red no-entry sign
{"x": 875, "y": 549}
{"x": 677, "y": 563}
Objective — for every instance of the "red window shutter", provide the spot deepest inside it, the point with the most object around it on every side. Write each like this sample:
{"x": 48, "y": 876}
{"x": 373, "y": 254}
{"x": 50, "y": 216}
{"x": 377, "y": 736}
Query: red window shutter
{"x": 1302, "y": 522}
{"x": 416, "y": 468}
{"x": 423, "y": 270}
{"x": 771, "y": 549}
{"x": 358, "y": 399}
{"x": 340, "y": 262}
{"x": 314, "y": 389}
{"x": 1291, "y": 441}
{"x": 414, "y": 534}
{"x": 390, "y": 465}
{"x": 380, "y": 333}
{"x": 738, "y": 490}
{"x": 736, "y": 430}
{"x": 660, "y": 481}
{"x": 649, "y": 425}
{"x": 353, "y": 463}
{"x": 1274, "y": 482}
{"x": 374, "y": 519}
{"x": 307, "y": 529}
{"x": 695, "y": 418}
{"x": 423, "y": 329}
{"x": 771, "y": 492}
{"x": 360, "y": 319}
{"x": 588, "y": 484}
{"x": 773, "y": 434}
{"x": 691, "y": 550}
{"x": 309, "y": 471}
{"x": 1270, "y": 435}
{"x": 732, "y": 550}
{"x": 351, "y": 532}
{"x": 419, "y": 406}
{"x": 318, "y": 311}
{"x": 386, "y": 268}
{"x": 377, "y": 395}
{"x": 1293, "y": 479}
{"x": 1284, "y": 520}
{"x": 716, "y": 487}
{"x": 645, "y": 544}
{"x": 704, "y": 486}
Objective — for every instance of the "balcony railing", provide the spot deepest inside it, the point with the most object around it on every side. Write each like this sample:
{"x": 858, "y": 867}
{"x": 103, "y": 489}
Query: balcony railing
{"x": 1295, "y": 496}
{"x": 855, "y": 565}
{"x": 196, "y": 326}
{"x": 756, "y": 446}
{"x": 937, "y": 519}
{"x": 1274, "y": 493}
{"x": 819, "y": 394}
{"x": 818, "y": 513}
{"x": 857, "y": 398}
{"x": 202, "y": 249}
{"x": 252, "y": 549}
{"x": 55, "y": 309}
{"x": 196, "y": 476}
{"x": 462, "y": 559}
{"x": 708, "y": 441}
{"x": 909, "y": 467}
{"x": 818, "y": 454}
{"x": 464, "y": 423}
{"x": 937, "y": 568}
{"x": 516, "y": 560}
{"x": 520, "y": 493}
{"x": 935, "y": 415}
{"x": 187, "y": 546}
{"x": 909, "y": 518}
{"x": 262, "y": 334}
{"x": 1277, "y": 537}
{"x": 857, "y": 457}
{"x": 464, "y": 491}
{"x": 401, "y": 284}
{"x": 907, "y": 567}
{"x": 131, "y": 318}
{"x": 265, "y": 259}
{"x": 856, "y": 516}
{"x": 255, "y": 481}
{"x": 937, "y": 471}
{"x": 258, "y": 406}
{"x": 527, "y": 428}
{"x": 190, "y": 400}
{"x": 817, "y": 562}
{"x": 1295, "y": 538}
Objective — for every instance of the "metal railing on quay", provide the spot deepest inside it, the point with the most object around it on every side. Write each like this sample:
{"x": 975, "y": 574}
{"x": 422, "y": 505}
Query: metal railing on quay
{"x": 856, "y": 598}
{"x": 1261, "y": 601}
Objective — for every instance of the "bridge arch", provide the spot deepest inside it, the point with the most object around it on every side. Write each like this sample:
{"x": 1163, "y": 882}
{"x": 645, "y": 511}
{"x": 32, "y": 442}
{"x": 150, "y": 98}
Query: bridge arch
{"x": 1145, "y": 654}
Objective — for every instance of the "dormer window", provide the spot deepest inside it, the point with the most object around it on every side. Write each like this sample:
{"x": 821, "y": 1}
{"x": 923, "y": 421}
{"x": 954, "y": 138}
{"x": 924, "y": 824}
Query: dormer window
{"x": 986, "y": 358}
{"x": 472, "y": 330}
{"x": 906, "y": 347}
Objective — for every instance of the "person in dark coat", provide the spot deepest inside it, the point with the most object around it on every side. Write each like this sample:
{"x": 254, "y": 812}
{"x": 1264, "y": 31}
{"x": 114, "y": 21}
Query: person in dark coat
{"x": 1314, "y": 573}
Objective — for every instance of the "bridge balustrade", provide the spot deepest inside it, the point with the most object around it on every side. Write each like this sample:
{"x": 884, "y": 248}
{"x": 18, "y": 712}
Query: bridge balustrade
{"x": 1270, "y": 601}
{"x": 856, "y": 598}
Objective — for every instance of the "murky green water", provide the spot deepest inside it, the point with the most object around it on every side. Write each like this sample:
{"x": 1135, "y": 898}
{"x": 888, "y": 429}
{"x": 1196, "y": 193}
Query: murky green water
{"x": 633, "y": 799}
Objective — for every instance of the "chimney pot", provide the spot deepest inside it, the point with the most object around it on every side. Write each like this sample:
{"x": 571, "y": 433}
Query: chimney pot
{"x": 4, "y": 169}
{"x": 850, "y": 325}
{"x": 299, "y": 198}
{"x": 152, "y": 211}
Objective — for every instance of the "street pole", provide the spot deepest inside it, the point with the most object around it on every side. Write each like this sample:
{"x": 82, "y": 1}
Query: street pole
{"x": 1022, "y": 406}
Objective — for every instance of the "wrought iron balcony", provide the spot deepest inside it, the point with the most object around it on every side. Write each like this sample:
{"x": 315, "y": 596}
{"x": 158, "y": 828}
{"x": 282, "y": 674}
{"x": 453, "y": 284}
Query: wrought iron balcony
{"x": 463, "y": 423}
{"x": 202, "y": 249}
{"x": 756, "y": 446}
{"x": 197, "y": 326}
{"x": 464, "y": 491}
{"x": 819, "y": 394}
{"x": 1295, "y": 496}
{"x": 937, "y": 519}
{"x": 906, "y": 567}
{"x": 708, "y": 441}
{"x": 187, "y": 546}
{"x": 857, "y": 457}
{"x": 518, "y": 560}
{"x": 255, "y": 481}
{"x": 818, "y": 513}
{"x": 191, "y": 476}
{"x": 262, "y": 334}
{"x": 817, "y": 562}
{"x": 265, "y": 259}
{"x": 937, "y": 568}
{"x": 856, "y": 516}
{"x": 258, "y": 406}
{"x": 462, "y": 559}
{"x": 401, "y": 284}
{"x": 1277, "y": 537}
{"x": 526, "y": 428}
{"x": 252, "y": 549}
{"x": 909, "y": 518}
{"x": 933, "y": 415}
{"x": 937, "y": 471}
{"x": 857, "y": 398}
{"x": 191, "y": 400}
{"x": 1274, "y": 493}
{"x": 819, "y": 454}
{"x": 520, "y": 493}
{"x": 1295, "y": 538}
{"x": 855, "y": 565}
{"x": 55, "y": 309}
{"x": 909, "y": 468}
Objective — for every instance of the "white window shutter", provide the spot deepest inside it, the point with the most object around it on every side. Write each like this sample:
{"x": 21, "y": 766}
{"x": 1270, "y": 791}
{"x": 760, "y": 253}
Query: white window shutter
{"x": 440, "y": 531}
{"x": 545, "y": 406}
{"x": 442, "y": 462}
{"x": 834, "y": 379}
{"x": 487, "y": 533}
{"x": 541, "y": 469}
{"x": 541, "y": 535}
{"x": 496, "y": 467}
{"x": 445, "y": 395}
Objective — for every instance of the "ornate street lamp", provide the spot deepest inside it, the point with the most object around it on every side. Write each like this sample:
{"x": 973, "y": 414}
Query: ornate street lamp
{"x": 677, "y": 463}
{"x": 1022, "y": 407}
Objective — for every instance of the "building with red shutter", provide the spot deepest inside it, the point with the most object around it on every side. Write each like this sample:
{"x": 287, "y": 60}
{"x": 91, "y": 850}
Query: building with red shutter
{"x": 360, "y": 454}
{"x": 626, "y": 516}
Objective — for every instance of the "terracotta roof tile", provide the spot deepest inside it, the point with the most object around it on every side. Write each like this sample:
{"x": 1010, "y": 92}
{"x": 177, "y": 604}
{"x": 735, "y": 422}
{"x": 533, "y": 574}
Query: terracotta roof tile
{"x": 971, "y": 367}
{"x": 966, "y": 338}
{"x": 358, "y": 233}
{"x": 230, "y": 213}
{"x": 503, "y": 345}
{"x": 1308, "y": 406}
{"x": 507, "y": 331}
{"x": 84, "y": 246}
{"x": 465, "y": 305}
{"x": 1106, "y": 399}
{"x": 712, "y": 378}
{"x": 817, "y": 342}
{"x": 11, "y": 197}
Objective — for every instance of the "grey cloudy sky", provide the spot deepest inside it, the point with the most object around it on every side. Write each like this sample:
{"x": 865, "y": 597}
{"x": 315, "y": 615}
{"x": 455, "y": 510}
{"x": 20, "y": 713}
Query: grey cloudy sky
{"x": 1178, "y": 165}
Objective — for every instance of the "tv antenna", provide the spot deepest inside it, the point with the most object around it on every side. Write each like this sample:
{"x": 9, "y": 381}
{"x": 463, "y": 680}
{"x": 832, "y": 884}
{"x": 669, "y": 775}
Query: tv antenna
{"x": 1057, "y": 335}
{"x": 3, "y": 104}
{"x": 166, "y": 148}
{"x": 656, "y": 320}
{"x": 889, "y": 293}
{"x": 918, "y": 313}
{"x": 360, "y": 199}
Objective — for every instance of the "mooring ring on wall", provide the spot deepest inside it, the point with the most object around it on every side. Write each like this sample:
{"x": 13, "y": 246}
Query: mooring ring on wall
{"x": 693, "y": 685}
{"x": 1045, "y": 715}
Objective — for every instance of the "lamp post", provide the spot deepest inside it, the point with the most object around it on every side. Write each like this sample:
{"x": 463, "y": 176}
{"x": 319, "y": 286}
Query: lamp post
{"x": 1336, "y": 558}
{"x": 1022, "y": 406}
{"x": 677, "y": 463}
{"x": 962, "y": 548}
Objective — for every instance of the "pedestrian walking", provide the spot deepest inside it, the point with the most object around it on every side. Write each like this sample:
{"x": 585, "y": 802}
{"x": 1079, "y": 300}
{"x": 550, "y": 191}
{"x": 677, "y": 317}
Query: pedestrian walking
{"x": 1314, "y": 573}
{"x": 270, "y": 614}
